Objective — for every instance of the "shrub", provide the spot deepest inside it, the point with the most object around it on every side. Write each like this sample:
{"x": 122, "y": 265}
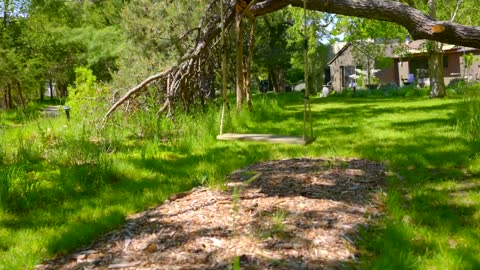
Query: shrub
{"x": 87, "y": 99}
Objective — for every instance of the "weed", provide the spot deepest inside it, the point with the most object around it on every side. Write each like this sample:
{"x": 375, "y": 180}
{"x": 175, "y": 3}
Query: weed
{"x": 278, "y": 221}
{"x": 7, "y": 176}
{"x": 468, "y": 113}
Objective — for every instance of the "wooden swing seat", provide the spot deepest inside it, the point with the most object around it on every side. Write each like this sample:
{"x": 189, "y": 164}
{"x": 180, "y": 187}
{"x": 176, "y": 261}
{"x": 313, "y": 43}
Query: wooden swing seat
{"x": 271, "y": 138}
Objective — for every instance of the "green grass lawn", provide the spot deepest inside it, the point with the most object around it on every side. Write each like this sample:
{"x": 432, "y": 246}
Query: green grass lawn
{"x": 68, "y": 183}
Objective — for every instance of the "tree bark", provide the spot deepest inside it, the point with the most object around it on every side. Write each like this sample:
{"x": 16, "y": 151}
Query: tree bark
{"x": 435, "y": 60}
{"x": 42, "y": 92}
{"x": 9, "y": 102}
{"x": 274, "y": 77}
{"x": 5, "y": 101}
{"x": 22, "y": 100}
{"x": 435, "y": 64}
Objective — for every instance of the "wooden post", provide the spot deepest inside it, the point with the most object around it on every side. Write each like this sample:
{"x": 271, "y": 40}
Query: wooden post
{"x": 239, "y": 56}
{"x": 305, "y": 69}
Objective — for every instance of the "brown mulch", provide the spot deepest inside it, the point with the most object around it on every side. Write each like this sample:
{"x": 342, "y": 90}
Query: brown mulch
{"x": 286, "y": 214}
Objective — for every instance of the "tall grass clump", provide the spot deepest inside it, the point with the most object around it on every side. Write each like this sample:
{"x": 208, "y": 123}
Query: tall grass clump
{"x": 468, "y": 112}
{"x": 7, "y": 173}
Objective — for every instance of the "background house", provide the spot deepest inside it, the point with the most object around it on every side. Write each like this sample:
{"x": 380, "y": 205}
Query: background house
{"x": 459, "y": 62}
{"x": 345, "y": 66}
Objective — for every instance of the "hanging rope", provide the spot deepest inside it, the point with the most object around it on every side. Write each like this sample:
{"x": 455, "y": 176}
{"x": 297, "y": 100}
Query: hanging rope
{"x": 305, "y": 66}
{"x": 306, "y": 98}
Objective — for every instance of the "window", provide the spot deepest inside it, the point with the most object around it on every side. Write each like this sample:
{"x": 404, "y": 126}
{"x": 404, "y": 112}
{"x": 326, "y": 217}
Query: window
{"x": 445, "y": 61}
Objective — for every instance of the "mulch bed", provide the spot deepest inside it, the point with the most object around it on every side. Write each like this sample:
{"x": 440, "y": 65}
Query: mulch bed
{"x": 286, "y": 214}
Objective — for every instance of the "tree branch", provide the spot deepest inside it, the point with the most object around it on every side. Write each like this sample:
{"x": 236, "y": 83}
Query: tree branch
{"x": 419, "y": 25}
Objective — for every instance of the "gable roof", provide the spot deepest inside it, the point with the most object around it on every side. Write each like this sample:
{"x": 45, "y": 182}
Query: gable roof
{"x": 340, "y": 52}
{"x": 415, "y": 47}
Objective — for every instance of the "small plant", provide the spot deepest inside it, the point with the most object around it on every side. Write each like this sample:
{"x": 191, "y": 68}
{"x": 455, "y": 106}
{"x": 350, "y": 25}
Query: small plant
{"x": 278, "y": 221}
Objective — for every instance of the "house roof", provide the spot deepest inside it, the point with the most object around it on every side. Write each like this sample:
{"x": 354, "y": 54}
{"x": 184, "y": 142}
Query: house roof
{"x": 388, "y": 52}
{"x": 340, "y": 52}
{"x": 413, "y": 47}
{"x": 419, "y": 46}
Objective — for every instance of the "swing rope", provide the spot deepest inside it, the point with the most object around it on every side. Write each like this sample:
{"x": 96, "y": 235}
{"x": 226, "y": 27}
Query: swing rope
{"x": 306, "y": 99}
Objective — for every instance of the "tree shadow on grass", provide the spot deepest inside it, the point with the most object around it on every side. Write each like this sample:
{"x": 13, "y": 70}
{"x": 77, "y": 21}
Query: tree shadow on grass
{"x": 299, "y": 214}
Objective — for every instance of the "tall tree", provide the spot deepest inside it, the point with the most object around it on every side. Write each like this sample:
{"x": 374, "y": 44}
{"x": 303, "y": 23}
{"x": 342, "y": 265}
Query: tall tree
{"x": 272, "y": 53}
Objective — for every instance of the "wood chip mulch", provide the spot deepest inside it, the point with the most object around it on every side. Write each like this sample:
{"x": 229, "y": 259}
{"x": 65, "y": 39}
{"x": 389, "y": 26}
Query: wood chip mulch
{"x": 286, "y": 214}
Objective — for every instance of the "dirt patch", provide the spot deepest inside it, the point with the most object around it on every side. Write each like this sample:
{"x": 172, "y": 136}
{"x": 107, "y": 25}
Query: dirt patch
{"x": 287, "y": 214}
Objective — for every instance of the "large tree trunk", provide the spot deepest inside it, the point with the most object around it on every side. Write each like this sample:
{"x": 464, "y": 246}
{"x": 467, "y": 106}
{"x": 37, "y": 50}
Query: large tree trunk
{"x": 274, "y": 78}
{"x": 435, "y": 65}
{"x": 435, "y": 59}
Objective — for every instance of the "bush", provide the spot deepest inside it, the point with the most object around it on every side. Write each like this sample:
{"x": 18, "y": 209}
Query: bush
{"x": 87, "y": 98}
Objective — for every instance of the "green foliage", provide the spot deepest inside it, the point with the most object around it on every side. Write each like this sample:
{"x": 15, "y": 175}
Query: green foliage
{"x": 87, "y": 97}
{"x": 363, "y": 29}
{"x": 271, "y": 42}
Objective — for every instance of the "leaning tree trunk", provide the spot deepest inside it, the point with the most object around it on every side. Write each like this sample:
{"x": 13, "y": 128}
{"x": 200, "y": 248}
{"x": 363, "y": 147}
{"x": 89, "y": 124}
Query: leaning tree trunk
{"x": 435, "y": 60}
{"x": 184, "y": 73}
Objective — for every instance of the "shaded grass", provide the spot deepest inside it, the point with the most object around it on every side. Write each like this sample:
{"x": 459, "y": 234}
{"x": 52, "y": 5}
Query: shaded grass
{"x": 82, "y": 182}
